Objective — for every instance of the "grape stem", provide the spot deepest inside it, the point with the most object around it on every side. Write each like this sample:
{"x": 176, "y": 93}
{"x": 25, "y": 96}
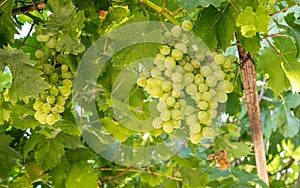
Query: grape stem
{"x": 28, "y": 8}
{"x": 161, "y": 10}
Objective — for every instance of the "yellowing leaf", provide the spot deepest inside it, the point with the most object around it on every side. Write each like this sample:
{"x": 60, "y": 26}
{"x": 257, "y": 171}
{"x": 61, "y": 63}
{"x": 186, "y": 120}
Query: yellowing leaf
{"x": 252, "y": 22}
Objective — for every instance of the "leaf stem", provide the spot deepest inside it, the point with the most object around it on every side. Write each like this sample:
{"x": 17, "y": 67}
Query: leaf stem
{"x": 273, "y": 47}
{"x": 283, "y": 10}
{"x": 273, "y": 35}
{"x": 161, "y": 10}
{"x": 23, "y": 42}
{"x": 3, "y": 3}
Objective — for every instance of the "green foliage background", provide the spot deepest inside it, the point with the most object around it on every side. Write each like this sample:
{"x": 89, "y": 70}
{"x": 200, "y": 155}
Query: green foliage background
{"x": 33, "y": 155}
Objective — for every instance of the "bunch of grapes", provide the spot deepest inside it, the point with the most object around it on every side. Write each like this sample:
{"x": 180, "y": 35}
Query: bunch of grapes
{"x": 189, "y": 82}
{"x": 51, "y": 102}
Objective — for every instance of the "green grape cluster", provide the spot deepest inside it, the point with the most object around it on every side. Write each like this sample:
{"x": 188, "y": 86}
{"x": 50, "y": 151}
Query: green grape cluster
{"x": 181, "y": 71}
{"x": 51, "y": 103}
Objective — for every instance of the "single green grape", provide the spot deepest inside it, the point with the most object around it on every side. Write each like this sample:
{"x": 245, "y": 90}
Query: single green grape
{"x": 42, "y": 118}
{"x": 221, "y": 86}
{"x": 46, "y": 108}
{"x": 199, "y": 79}
{"x": 191, "y": 89}
{"x": 50, "y": 99}
{"x": 227, "y": 64}
{"x": 202, "y": 88}
{"x": 208, "y": 132}
{"x": 60, "y": 100}
{"x": 170, "y": 62}
{"x": 141, "y": 81}
{"x": 48, "y": 69}
{"x": 65, "y": 91}
{"x": 54, "y": 91}
{"x": 219, "y": 74}
{"x": 171, "y": 101}
{"x": 211, "y": 81}
{"x": 176, "y": 114}
{"x": 155, "y": 72}
{"x": 156, "y": 91}
{"x": 187, "y": 25}
{"x": 159, "y": 59}
{"x": 53, "y": 77}
{"x": 176, "y": 123}
{"x": 66, "y": 74}
{"x": 195, "y": 128}
{"x": 188, "y": 110}
{"x": 195, "y": 138}
{"x": 165, "y": 115}
{"x": 64, "y": 68}
{"x": 67, "y": 83}
{"x": 51, "y": 43}
{"x": 165, "y": 50}
{"x": 229, "y": 86}
{"x": 157, "y": 123}
{"x": 203, "y": 105}
{"x": 188, "y": 67}
{"x": 177, "y": 54}
{"x": 203, "y": 116}
{"x": 195, "y": 63}
{"x": 206, "y": 71}
{"x": 39, "y": 54}
{"x": 37, "y": 114}
{"x": 42, "y": 38}
{"x": 191, "y": 119}
{"x": 188, "y": 78}
{"x": 182, "y": 47}
{"x": 38, "y": 104}
{"x": 167, "y": 35}
{"x": 166, "y": 86}
{"x": 168, "y": 126}
{"x": 221, "y": 96}
{"x": 220, "y": 59}
{"x": 176, "y": 77}
{"x": 176, "y": 31}
{"x": 51, "y": 119}
{"x": 206, "y": 96}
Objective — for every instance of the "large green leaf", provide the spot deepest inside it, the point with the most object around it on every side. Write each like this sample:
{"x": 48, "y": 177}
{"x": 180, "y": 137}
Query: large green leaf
{"x": 194, "y": 177}
{"x": 244, "y": 178}
{"x": 8, "y": 156}
{"x": 281, "y": 65}
{"x": 27, "y": 81}
{"x": 81, "y": 175}
{"x": 292, "y": 29}
{"x": 251, "y": 22}
{"x": 5, "y": 112}
{"x": 191, "y": 5}
{"x": 7, "y": 26}
{"x": 216, "y": 26}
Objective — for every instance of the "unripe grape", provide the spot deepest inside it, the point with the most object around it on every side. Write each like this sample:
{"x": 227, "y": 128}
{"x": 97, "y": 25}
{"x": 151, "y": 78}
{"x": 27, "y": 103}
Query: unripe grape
{"x": 67, "y": 83}
{"x": 203, "y": 116}
{"x": 176, "y": 114}
{"x": 176, "y": 123}
{"x": 166, "y": 86}
{"x": 171, "y": 101}
{"x": 60, "y": 100}
{"x": 141, "y": 81}
{"x": 64, "y": 68}
{"x": 195, "y": 128}
{"x": 50, "y": 99}
{"x": 164, "y": 97}
{"x": 42, "y": 38}
{"x": 51, "y": 119}
{"x": 176, "y": 31}
{"x": 195, "y": 63}
{"x": 161, "y": 106}
{"x": 179, "y": 69}
{"x": 220, "y": 59}
{"x": 154, "y": 81}
{"x": 176, "y": 77}
{"x": 38, "y": 105}
{"x": 156, "y": 91}
{"x": 219, "y": 74}
{"x": 157, "y": 123}
{"x": 175, "y": 93}
{"x": 213, "y": 92}
{"x": 51, "y": 43}
{"x": 44, "y": 95}
{"x": 182, "y": 47}
{"x": 46, "y": 108}
{"x": 161, "y": 67}
{"x": 191, "y": 89}
{"x": 164, "y": 50}
{"x": 168, "y": 72}
{"x": 188, "y": 78}
{"x": 191, "y": 119}
{"x": 155, "y": 72}
{"x": 229, "y": 86}
{"x": 202, "y": 88}
{"x": 214, "y": 66}
{"x": 66, "y": 74}
{"x": 188, "y": 67}
{"x": 54, "y": 91}
{"x": 165, "y": 116}
{"x": 177, "y": 106}
{"x": 187, "y": 25}
{"x": 168, "y": 126}
{"x": 200, "y": 56}
{"x": 198, "y": 79}
{"x": 208, "y": 132}
{"x": 65, "y": 91}
{"x": 177, "y": 54}
{"x": 203, "y": 105}
{"x": 42, "y": 118}
{"x": 37, "y": 114}
{"x": 214, "y": 104}
{"x": 48, "y": 69}
{"x": 159, "y": 59}
{"x": 221, "y": 96}
{"x": 206, "y": 96}
{"x": 213, "y": 113}
{"x": 227, "y": 63}
{"x": 206, "y": 71}
{"x": 211, "y": 81}
{"x": 195, "y": 138}
{"x": 170, "y": 63}
{"x": 53, "y": 77}
{"x": 167, "y": 35}
{"x": 221, "y": 86}
{"x": 39, "y": 54}
{"x": 188, "y": 110}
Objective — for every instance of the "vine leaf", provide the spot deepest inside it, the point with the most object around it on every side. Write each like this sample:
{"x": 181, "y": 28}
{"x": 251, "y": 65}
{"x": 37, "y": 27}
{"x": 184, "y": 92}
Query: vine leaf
{"x": 152, "y": 180}
{"x": 251, "y": 22}
{"x": 281, "y": 65}
{"x": 216, "y": 26}
{"x": 27, "y": 81}
{"x": 48, "y": 151}
{"x": 194, "y": 177}
{"x": 8, "y": 156}
{"x": 191, "y": 5}
{"x": 292, "y": 29}
{"x": 80, "y": 175}
{"x": 8, "y": 27}
{"x": 5, "y": 113}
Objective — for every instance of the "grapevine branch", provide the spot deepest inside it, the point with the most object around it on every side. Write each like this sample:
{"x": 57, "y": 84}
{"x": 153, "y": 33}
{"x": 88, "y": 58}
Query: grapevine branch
{"x": 250, "y": 88}
{"x": 29, "y": 8}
